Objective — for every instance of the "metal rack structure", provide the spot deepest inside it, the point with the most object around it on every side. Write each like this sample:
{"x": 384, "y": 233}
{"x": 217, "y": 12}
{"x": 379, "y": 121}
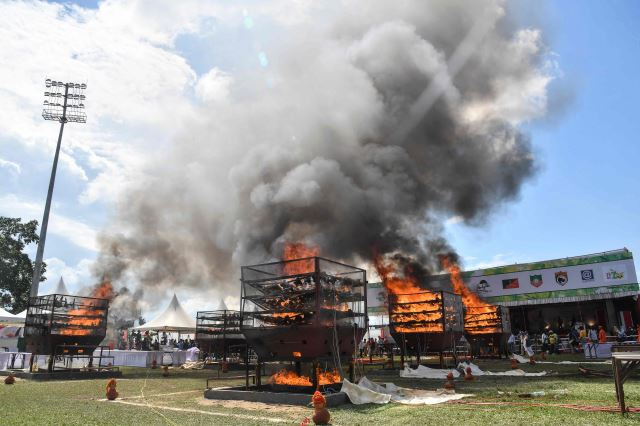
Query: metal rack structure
{"x": 218, "y": 333}
{"x": 304, "y": 310}
{"x": 65, "y": 323}
{"x": 426, "y": 322}
{"x": 487, "y": 328}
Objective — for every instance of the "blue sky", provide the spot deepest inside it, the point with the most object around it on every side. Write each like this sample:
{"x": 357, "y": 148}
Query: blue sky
{"x": 582, "y": 200}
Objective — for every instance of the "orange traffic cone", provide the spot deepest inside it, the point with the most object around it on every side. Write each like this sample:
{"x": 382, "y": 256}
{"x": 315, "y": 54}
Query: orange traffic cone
{"x": 514, "y": 363}
{"x": 165, "y": 371}
{"x": 532, "y": 361}
{"x": 154, "y": 364}
{"x": 543, "y": 355}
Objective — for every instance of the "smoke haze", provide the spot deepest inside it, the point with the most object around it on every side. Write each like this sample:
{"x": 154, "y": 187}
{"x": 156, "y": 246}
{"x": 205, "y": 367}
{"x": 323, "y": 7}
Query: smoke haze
{"x": 368, "y": 129}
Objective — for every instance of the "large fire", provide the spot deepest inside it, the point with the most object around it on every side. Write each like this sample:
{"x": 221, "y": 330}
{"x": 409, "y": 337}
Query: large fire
{"x": 88, "y": 316}
{"x": 293, "y": 251}
{"x": 481, "y": 317}
{"x": 286, "y": 377}
{"x": 413, "y": 309}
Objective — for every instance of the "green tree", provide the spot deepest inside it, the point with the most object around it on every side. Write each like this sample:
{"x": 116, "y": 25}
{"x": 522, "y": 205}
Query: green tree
{"x": 16, "y": 269}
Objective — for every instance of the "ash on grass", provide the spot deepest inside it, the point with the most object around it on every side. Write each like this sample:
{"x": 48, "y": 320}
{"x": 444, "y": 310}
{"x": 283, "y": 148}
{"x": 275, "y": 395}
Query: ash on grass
{"x": 79, "y": 402}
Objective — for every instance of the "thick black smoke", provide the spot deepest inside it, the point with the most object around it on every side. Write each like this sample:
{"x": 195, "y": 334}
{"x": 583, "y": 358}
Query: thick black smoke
{"x": 371, "y": 130}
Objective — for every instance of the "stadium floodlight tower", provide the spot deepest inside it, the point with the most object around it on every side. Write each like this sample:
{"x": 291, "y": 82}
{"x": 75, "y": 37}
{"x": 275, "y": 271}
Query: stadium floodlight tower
{"x": 64, "y": 102}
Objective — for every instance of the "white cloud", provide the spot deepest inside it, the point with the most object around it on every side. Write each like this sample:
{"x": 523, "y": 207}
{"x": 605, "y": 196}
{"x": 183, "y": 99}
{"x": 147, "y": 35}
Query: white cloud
{"x": 75, "y": 276}
{"x": 453, "y": 220}
{"x": 13, "y": 168}
{"x": 73, "y": 230}
{"x": 500, "y": 259}
{"x": 214, "y": 86}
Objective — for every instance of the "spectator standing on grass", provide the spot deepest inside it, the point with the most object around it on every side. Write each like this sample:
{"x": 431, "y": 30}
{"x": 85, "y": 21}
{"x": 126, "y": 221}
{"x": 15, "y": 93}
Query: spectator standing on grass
{"x": 574, "y": 339}
{"x": 583, "y": 336}
{"x": 553, "y": 342}
{"x": 511, "y": 343}
{"x": 544, "y": 339}
{"x": 593, "y": 342}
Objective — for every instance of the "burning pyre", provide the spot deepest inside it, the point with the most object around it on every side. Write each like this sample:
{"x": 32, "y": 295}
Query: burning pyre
{"x": 480, "y": 316}
{"x": 291, "y": 378}
{"x": 303, "y": 308}
{"x": 420, "y": 320}
{"x": 412, "y": 309}
{"x": 90, "y": 312}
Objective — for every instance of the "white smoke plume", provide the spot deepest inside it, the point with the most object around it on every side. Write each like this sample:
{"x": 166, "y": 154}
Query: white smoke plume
{"x": 370, "y": 128}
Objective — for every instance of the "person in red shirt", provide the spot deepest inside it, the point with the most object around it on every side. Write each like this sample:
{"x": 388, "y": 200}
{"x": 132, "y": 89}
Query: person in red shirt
{"x": 602, "y": 335}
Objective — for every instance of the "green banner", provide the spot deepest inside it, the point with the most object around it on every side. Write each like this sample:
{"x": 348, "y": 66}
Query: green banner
{"x": 564, "y": 293}
{"x": 556, "y": 263}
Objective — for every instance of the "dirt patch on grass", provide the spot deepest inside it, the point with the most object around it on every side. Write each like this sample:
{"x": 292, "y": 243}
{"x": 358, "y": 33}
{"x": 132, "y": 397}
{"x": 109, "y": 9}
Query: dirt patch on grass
{"x": 294, "y": 410}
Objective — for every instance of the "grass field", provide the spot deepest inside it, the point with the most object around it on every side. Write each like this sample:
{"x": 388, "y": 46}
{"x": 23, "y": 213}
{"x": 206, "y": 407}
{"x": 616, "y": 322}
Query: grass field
{"x": 147, "y": 398}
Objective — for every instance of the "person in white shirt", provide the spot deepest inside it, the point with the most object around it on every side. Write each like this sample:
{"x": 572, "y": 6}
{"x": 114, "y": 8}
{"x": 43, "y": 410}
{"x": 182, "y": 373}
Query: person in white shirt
{"x": 511, "y": 343}
{"x": 544, "y": 339}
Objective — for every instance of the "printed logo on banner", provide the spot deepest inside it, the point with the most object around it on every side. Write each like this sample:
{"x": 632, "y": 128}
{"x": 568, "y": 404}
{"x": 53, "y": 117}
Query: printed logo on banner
{"x": 613, "y": 274}
{"x": 562, "y": 277}
{"x": 510, "y": 283}
{"x": 587, "y": 275}
{"x": 482, "y": 287}
{"x": 536, "y": 280}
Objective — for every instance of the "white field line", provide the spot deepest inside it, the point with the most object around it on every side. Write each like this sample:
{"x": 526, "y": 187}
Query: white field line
{"x": 160, "y": 394}
{"x": 208, "y": 413}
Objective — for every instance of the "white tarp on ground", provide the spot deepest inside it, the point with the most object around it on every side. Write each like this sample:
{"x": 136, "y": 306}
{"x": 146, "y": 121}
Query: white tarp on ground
{"x": 523, "y": 360}
{"x": 476, "y": 371}
{"x": 192, "y": 354}
{"x": 368, "y": 392}
{"x": 423, "y": 372}
{"x": 174, "y": 318}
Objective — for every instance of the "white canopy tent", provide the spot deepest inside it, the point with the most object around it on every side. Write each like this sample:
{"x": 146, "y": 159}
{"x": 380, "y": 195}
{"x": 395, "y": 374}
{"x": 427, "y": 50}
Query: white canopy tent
{"x": 9, "y": 318}
{"x": 61, "y": 288}
{"x": 174, "y": 318}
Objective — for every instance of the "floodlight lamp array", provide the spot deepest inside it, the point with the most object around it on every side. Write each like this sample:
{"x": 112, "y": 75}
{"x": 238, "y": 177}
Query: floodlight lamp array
{"x": 64, "y": 102}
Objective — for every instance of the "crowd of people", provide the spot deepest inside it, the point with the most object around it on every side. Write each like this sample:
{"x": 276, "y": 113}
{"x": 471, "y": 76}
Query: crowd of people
{"x": 578, "y": 339}
{"x": 373, "y": 347}
{"x": 145, "y": 341}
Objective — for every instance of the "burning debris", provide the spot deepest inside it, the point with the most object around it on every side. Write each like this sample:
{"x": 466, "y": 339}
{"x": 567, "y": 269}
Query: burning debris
{"x": 425, "y": 321}
{"x": 57, "y": 320}
{"x": 303, "y": 309}
{"x": 480, "y": 317}
{"x": 485, "y": 325}
{"x": 291, "y": 378}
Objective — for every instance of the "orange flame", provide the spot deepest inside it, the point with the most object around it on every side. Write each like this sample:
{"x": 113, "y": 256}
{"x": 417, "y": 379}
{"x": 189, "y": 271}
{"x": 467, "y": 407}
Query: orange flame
{"x": 482, "y": 317}
{"x": 293, "y": 251}
{"x": 286, "y": 377}
{"x": 415, "y": 310}
{"x": 88, "y": 315}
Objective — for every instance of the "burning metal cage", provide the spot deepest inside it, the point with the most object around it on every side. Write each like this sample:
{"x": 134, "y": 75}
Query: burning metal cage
{"x": 59, "y": 320}
{"x": 218, "y": 333}
{"x": 426, "y": 321}
{"x": 303, "y": 309}
{"x": 486, "y": 329}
